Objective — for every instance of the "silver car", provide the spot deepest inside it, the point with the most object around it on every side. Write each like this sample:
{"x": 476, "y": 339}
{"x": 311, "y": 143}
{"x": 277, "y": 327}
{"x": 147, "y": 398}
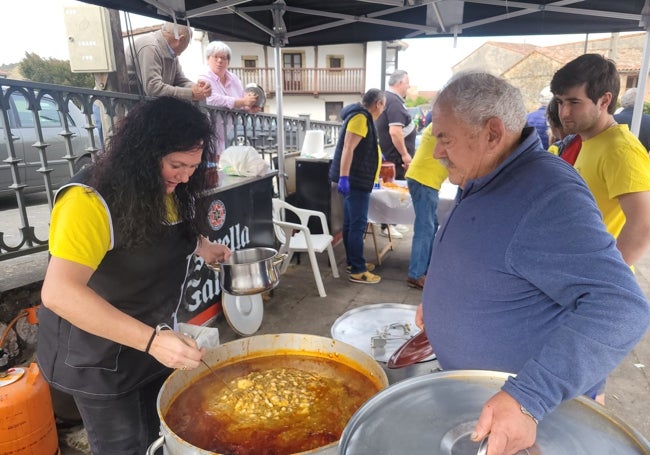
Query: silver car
{"x": 23, "y": 130}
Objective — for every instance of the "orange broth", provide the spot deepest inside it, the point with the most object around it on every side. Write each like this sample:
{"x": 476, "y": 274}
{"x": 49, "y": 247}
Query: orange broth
{"x": 273, "y": 405}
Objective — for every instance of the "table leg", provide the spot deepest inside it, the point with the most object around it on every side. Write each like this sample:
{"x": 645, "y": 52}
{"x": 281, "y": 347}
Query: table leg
{"x": 370, "y": 227}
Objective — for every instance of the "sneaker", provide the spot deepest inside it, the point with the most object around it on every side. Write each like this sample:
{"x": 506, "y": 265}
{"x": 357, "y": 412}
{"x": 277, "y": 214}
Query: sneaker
{"x": 365, "y": 277}
{"x": 394, "y": 233}
{"x": 369, "y": 267}
{"x": 402, "y": 228}
{"x": 417, "y": 283}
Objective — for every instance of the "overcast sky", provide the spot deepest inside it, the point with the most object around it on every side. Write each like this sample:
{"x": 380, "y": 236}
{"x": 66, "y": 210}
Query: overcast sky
{"x": 38, "y": 26}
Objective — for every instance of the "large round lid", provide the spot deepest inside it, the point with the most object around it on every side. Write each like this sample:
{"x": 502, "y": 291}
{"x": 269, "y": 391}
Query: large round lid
{"x": 434, "y": 414}
{"x": 378, "y": 330}
{"x": 244, "y": 313}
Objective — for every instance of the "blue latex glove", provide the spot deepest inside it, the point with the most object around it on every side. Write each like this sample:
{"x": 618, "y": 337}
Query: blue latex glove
{"x": 344, "y": 185}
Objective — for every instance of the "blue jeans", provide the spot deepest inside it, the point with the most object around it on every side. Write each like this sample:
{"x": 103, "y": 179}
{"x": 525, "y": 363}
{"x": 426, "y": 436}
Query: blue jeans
{"x": 126, "y": 425}
{"x": 425, "y": 204}
{"x": 355, "y": 219}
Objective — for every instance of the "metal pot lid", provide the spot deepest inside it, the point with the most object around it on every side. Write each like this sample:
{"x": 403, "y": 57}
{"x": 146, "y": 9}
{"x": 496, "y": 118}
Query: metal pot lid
{"x": 259, "y": 91}
{"x": 378, "y": 330}
{"x": 435, "y": 414}
{"x": 243, "y": 312}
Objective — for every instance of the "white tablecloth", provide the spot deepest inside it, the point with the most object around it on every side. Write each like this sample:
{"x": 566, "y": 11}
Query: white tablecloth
{"x": 395, "y": 207}
{"x": 391, "y": 206}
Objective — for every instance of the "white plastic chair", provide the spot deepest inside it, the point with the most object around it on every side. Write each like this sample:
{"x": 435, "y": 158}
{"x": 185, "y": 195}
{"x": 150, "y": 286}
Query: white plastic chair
{"x": 297, "y": 238}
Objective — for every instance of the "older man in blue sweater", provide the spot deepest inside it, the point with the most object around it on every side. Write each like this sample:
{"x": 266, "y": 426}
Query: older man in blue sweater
{"x": 523, "y": 277}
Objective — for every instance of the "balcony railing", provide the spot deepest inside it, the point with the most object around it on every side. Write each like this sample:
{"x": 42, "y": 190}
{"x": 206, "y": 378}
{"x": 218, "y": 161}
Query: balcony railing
{"x": 301, "y": 81}
{"x": 47, "y": 132}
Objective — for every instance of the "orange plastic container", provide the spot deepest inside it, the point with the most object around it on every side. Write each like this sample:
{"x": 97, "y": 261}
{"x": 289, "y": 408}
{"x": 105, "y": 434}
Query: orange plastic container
{"x": 27, "y": 425}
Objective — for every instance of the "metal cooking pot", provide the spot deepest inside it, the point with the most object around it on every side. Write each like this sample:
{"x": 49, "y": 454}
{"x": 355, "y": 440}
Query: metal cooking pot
{"x": 379, "y": 330}
{"x": 250, "y": 271}
{"x": 435, "y": 414}
{"x": 257, "y": 90}
{"x": 257, "y": 346}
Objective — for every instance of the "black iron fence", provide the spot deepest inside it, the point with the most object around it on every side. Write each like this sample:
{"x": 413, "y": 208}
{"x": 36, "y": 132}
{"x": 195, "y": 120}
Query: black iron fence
{"x": 48, "y": 132}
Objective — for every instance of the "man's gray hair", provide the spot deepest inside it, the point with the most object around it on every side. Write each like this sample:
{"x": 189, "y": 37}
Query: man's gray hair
{"x": 168, "y": 27}
{"x": 628, "y": 98}
{"x": 397, "y": 76}
{"x": 217, "y": 47}
{"x": 475, "y": 97}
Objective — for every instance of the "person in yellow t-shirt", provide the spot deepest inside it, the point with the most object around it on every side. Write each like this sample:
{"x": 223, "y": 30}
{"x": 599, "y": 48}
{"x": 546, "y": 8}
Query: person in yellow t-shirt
{"x": 354, "y": 169}
{"x": 424, "y": 178}
{"x": 123, "y": 237}
{"x": 612, "y": 161}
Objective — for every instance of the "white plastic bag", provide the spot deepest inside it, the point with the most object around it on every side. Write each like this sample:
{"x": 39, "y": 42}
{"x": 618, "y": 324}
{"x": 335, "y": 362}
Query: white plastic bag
{"x": 206, "y": 337}
{"x": 243, "y": 160}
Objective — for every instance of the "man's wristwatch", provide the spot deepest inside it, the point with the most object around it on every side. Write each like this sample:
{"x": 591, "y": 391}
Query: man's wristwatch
{"x": 525, "y": 411}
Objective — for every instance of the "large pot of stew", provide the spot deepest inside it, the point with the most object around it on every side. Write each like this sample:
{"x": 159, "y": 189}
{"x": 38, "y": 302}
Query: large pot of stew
{"x": 281, "y": 394}
{"x": 436, "y": 413}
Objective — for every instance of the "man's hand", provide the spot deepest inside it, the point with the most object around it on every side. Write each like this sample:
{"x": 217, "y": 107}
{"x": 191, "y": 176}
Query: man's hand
{"x": 419, "y": 318}
{"x": 510, "y": 430}
{"x": 201, "y": 90}
{"x": 406, "y": 161}
{"x": 344, "y": 185}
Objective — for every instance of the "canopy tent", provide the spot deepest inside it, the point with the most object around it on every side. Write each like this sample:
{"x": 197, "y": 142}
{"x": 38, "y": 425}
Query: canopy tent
{"x": 319, "y": 22}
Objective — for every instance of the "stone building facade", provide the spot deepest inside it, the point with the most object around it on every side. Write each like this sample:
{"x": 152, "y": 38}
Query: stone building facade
{"x": 530, "y": 68}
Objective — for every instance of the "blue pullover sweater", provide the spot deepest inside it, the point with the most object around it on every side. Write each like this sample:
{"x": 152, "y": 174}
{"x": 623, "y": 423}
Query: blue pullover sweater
{"x": 525, "y": 279}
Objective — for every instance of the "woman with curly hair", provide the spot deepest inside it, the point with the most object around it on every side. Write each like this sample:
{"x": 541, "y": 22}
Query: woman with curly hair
{"x": 122, "y": 236}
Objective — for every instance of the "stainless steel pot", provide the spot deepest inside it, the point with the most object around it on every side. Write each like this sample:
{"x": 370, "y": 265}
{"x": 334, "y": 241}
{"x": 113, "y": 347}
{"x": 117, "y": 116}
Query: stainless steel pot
{"x": 250, "y": 271}
{"x": 435, "y": 414}
{"x": 379, "y": 330}
{"x": 257, "y": 346}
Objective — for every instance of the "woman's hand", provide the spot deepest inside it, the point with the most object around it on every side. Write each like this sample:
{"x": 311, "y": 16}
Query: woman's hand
{"x": 175, "y": 350}
{"x": 250, "y": 99}
{"x": 212, "y": 252}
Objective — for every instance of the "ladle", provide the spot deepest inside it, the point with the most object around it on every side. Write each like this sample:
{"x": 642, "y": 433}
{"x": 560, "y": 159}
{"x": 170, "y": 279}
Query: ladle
{"x": 165, "y": 326}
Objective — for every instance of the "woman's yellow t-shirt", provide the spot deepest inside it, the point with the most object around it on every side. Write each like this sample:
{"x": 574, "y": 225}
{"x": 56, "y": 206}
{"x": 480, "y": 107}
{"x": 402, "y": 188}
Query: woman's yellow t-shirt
{"x": 81, "y": 230}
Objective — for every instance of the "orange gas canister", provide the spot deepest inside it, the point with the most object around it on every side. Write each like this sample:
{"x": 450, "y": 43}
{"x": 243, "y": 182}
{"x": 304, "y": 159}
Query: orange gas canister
{"x": 27, "y": 425}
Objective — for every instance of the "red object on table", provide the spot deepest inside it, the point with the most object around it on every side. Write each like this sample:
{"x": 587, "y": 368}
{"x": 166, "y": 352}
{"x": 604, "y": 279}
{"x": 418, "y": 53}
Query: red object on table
{"x": 387, "y": 171}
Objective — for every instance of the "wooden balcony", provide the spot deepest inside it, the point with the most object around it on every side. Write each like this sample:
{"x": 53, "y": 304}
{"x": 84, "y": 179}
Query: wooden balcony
{"x": 306, "y": 81}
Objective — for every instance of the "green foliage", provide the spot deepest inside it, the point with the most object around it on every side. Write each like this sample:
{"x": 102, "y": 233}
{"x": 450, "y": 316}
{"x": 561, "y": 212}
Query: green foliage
{"x": 420, "y": 100}
{"x": 53, "y": 71}
{"x": 646, "y": 108}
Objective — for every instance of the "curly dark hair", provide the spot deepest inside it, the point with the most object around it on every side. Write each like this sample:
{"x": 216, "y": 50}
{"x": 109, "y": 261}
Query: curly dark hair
{"x": 128, "y": 173}
{"x": 597, "y": 72}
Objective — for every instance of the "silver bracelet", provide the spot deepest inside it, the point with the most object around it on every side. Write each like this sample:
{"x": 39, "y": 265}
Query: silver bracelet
{"x": 525, "y": 411}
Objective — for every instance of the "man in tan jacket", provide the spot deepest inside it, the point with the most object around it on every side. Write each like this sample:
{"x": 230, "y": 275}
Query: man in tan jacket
{"x": 153, "y": 67}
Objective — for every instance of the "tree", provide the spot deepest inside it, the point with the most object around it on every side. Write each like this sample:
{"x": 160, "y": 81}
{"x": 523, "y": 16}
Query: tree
{"x": 419, "y": 101}
{"x": 53, "y": 71}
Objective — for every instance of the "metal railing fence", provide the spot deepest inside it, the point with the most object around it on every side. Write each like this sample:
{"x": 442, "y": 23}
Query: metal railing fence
{"x": 48, "y": 132}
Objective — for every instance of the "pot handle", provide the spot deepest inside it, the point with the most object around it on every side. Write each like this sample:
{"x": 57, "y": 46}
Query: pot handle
{"x": 214, "y": 266}
{"x": 482, "y": 448}
{"x": 278, "y": 259}
{"x": 157, "y": 444}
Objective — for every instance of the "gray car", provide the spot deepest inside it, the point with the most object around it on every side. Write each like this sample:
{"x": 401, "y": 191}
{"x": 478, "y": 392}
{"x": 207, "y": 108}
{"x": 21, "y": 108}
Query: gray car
{"x": 23, "y": 130}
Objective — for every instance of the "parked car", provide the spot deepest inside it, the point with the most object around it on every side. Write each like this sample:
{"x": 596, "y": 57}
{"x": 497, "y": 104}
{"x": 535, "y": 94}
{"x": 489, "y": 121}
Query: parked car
{"x": 263, "y": 134}
{"x": 417, "y": 114}
{"x": 21, "y": 122}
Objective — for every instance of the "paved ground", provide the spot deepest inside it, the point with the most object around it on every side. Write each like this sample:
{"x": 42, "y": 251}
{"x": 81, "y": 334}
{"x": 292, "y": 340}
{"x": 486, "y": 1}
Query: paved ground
{"x": 296, "y": 307}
